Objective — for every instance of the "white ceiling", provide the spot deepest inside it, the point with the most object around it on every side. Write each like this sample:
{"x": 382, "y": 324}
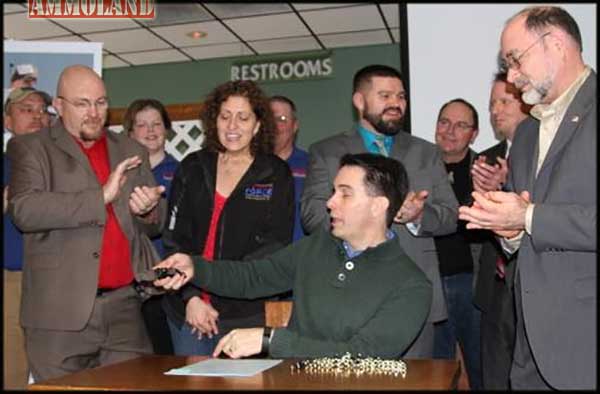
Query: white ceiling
{"x": 233, "y": 29}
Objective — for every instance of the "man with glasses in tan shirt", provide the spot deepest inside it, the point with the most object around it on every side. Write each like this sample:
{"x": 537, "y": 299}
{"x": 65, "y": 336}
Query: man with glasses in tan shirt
{"x": 550, "y": 214}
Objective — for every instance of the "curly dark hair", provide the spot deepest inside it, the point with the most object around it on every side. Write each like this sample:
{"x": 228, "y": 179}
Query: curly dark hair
{"x": 262, "y": 142}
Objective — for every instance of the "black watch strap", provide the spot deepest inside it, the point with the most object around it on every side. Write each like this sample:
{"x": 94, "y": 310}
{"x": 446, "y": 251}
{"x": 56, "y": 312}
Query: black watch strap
{"x": 266, "y": 341}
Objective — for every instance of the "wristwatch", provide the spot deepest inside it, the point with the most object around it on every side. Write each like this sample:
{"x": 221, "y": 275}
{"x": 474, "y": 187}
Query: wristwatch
{"x": 266, "y": 340}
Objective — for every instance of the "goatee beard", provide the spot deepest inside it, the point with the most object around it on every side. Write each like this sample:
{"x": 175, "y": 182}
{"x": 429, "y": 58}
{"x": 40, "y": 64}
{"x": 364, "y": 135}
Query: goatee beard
{"x": 533, "y": 96}
{"x": 390, "y": 128}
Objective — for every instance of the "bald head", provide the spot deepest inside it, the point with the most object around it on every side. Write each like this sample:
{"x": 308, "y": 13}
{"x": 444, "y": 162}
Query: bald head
{"x": 82, "y": 103}
{"x": 76, "y": 74}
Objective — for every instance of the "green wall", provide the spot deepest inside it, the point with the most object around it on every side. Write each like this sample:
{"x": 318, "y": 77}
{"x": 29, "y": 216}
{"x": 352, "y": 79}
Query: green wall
{"x": 324, "y": 105}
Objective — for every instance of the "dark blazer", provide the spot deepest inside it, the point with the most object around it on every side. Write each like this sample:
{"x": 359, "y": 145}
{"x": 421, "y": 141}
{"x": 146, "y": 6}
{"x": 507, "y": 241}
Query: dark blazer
{"x": 258, "y": 218}
{"x": 557, "y": 261}
{"x": 56, "y": 200}
{"x": 491, "y": 249}
{"x": 425, "y": 169}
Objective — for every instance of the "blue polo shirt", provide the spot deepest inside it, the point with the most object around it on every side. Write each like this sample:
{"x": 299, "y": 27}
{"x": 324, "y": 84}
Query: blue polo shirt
{"x": 13, "y": 238}
{"x": 163, "y": 174}
{"x": 298, "y": 162}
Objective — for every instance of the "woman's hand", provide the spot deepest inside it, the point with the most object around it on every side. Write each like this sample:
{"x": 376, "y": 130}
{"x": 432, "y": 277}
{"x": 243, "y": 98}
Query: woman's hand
{"x": 202, "y": 317}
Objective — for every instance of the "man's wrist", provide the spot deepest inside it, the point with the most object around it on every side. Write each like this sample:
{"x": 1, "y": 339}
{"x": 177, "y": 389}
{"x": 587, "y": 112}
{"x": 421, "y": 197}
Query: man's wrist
{"x": 529, "y": 217}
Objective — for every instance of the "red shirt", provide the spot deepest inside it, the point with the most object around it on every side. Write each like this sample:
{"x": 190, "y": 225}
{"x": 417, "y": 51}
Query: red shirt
{"x": 115, "y": 255}
{"x": 209, "y": 246}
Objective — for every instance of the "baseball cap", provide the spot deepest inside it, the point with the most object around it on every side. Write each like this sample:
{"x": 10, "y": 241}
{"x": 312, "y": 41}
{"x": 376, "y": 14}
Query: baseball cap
{"x": 24, "y": 71}
{"x": 19, "y": 94}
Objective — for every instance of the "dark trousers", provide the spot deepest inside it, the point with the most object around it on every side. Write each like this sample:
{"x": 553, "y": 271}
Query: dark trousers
{"x": 156, "y": 324}
{"x": 524, "y": 372}
{"x": 498, "y": 336}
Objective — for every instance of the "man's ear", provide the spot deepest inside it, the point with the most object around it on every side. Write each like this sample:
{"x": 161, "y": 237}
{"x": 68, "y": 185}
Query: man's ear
{"x": 474, "y": 136}
{"x": 358, "y": 100}
{"x": 57, "y": 104}
{"x": 380, "y": 206}
{"x": 557, "y": 40}
{"x": 7, "y": 121}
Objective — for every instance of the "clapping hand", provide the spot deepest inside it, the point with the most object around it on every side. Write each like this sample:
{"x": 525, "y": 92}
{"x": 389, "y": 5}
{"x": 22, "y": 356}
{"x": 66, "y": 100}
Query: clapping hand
{"x": 501, "y": 212}
{"x": 117, "y": 178}
{"x": 143, "y": 199}
{"x": 411, "y": 210}
{"x": 488, "y": 177}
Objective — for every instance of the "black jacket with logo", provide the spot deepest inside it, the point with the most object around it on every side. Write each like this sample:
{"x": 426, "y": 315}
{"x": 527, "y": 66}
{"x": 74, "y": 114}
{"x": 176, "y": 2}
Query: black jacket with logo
{"x": 257, "y": 219}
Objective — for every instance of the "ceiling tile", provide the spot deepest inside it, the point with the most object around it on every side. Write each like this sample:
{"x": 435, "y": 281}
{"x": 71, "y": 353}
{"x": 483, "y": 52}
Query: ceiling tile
{"x": 266, "y": 27}
{"x": 176, "y": 35}
{"x": 19, "y": 27}
{"x": 176, "y": 13}
{"x": 344, "y": 19}
{"x": 316, "y": 6}
{"x": 233, "y": 10}
{"x": 285, "y": 45}
{"x": 9, "y": 8}
{"x": 153, "y": 57}
{"x": 356, "y": 39}
{"x": 128, "y": 40}
{"x": 110, "y": 61}
{"x": 396, "y": 34}
{"x": 390, "y": 11}
{"x": 95, "y": 25}
{"x": 215, "y": 51}
{"x": 70, "y": 38}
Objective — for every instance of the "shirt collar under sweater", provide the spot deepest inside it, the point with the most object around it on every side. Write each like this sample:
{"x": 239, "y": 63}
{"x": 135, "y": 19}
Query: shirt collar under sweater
{"x": 351, "y": 253}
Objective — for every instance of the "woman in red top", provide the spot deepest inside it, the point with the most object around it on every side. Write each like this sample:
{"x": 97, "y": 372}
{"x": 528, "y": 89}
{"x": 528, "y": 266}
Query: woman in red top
{"x": 233, "y": 199}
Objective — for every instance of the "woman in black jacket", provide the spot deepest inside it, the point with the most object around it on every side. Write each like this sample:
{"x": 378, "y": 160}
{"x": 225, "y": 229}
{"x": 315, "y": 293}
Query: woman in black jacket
{"x": 234, "y": 200}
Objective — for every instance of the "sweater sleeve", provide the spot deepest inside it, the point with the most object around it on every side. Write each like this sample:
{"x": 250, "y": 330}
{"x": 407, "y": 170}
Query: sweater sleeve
{"x": 251, "y": 279}
{"x": 440, "y": 214}
{"x": 387, "y": 335}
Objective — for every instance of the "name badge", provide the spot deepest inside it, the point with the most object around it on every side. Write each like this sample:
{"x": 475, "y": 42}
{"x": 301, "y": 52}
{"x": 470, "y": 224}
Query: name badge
{"x": 261, "y": 192}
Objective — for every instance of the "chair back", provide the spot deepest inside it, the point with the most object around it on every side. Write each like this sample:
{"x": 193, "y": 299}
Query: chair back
{"x": 277, "y": 313}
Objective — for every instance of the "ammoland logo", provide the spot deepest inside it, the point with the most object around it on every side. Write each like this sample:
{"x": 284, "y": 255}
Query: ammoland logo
{"x": 86, "y": 9}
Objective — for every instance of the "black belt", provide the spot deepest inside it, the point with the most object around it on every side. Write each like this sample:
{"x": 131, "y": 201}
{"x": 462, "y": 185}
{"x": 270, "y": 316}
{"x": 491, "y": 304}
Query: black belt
{"x": 102, "y": 291}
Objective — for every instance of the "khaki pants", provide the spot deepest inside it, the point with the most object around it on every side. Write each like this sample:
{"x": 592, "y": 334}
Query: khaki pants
{"x": 15, "y": 360}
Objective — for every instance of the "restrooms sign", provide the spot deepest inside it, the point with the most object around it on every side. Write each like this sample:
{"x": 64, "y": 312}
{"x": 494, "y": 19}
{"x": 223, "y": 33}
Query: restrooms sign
{"x": 307, "y": 66}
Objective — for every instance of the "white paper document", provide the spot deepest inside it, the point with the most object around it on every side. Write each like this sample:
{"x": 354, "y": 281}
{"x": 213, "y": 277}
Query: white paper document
{"x": 224, "y": 367}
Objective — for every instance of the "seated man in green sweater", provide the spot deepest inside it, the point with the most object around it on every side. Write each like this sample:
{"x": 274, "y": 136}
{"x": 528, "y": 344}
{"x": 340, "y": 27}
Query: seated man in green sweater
{"x": 355, "y": 290}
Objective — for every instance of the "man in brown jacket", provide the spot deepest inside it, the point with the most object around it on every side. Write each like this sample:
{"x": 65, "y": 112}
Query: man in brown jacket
{"x": 85, "y": 199}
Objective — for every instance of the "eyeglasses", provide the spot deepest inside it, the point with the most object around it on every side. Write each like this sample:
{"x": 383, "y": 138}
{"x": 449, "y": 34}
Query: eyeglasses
{"x": 462, "y": 126}
{"x": 515, "y": 62}
{"x": 281, "y": 118}
{"x": 86, "y": 105}
{"x": 29, "y": 110}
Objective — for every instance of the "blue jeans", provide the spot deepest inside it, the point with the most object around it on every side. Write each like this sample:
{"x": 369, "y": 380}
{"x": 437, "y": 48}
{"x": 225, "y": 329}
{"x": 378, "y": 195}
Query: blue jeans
{"x": 463, "y": 325}
{"x": 187, "y": 344}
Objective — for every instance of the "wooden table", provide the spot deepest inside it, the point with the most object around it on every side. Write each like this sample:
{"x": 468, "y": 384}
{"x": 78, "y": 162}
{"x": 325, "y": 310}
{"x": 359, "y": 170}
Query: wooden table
{"x": 146, "y": 373}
